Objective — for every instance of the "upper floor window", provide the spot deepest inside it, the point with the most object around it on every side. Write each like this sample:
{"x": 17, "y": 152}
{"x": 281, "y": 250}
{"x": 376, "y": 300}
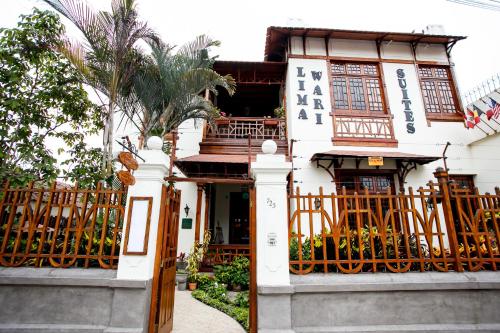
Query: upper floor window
{"x": 438, "y": 92}
{"x": 357, "y": 87}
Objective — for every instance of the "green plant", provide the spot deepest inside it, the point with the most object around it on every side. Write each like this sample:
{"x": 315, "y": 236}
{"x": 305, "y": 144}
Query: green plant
{"x": 240, "y": 314}
{"x": 222, "y": 274}
{"x": 168, "y": 88}
{"x": 240, "y": 271}
{"x": 242, "y": 300}
{"x": 195, "y": 257}
{"x": 217, "y": 291}
{"x": 108, "y": 57}
{"x": 279, "y": 112}
{"x": 205, "y": 282}
{"x": 42, "y": 100}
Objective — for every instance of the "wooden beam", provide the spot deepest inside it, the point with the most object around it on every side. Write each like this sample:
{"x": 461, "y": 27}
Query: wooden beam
{"x": 208, "y": 194}
{"x": 198, "y": 214}
{"x": 210, "y": 180}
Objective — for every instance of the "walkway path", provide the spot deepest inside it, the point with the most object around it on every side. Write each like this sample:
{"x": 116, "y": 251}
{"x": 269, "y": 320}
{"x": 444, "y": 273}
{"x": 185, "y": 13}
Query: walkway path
{"x": 191, "y": 315}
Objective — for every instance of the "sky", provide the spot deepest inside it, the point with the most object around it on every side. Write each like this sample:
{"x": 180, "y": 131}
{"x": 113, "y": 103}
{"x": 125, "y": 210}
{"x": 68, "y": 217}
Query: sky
{"x": 241, "y": 25}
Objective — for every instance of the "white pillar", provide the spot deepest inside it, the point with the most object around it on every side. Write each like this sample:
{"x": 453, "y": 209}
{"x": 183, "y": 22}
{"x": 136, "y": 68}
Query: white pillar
{"x": 270, "y": 172}
{"x": 148, "y": 183}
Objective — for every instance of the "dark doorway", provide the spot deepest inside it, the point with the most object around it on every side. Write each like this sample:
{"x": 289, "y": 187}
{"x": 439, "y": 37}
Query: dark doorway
{"x": 239, "y": 227}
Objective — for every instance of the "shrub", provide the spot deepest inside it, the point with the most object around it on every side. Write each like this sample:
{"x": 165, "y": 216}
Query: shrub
{"x": 205, "y": 282}
{"x": 240, "y": 272}
{"x": 222, "y": 274}
{"x": 241, "y": 300}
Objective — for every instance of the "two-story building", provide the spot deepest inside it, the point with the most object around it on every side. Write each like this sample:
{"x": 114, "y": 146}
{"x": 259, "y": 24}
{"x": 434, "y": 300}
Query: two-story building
{"x": 360, "y": 109}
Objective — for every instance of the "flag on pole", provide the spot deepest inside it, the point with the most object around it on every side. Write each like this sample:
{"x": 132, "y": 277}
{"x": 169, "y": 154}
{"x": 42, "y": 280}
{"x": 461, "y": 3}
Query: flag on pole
{"x": 475, "y": 114}
{"x": 489, "y": 112}
{"x": 469, "y": 122}
{"x": 495, "y": 107}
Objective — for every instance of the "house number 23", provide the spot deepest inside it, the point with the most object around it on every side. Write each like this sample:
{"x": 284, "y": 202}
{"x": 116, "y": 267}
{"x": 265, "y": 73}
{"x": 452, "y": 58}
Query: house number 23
{"x": 271, "y": 203}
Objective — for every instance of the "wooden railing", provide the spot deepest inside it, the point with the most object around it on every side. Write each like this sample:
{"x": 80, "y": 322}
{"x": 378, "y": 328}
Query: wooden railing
{"x": 364, "y": 127}
{"x": 241, "y": 127}
{"x": 437, "y": 228}
{"x": 218, "y": 254}
{"x": 60, "y": 227}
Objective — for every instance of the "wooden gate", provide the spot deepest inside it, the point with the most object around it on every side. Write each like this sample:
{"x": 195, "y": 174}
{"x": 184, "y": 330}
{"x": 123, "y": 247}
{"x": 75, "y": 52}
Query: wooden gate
{"x": 161, "y": 315}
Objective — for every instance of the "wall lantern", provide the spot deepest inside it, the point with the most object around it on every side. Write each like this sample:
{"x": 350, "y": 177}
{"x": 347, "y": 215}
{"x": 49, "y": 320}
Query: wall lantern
{"x": 186, "y": 209}
{"x": 317, "y": 203}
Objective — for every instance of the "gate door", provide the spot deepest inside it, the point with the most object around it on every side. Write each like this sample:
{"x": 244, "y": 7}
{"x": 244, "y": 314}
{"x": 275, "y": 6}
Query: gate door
{"x": 161, "y": 315}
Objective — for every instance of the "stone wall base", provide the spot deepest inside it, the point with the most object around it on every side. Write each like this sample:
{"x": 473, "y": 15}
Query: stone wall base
{"x": 72, "y": 300}
{"x": 383, "y": 302}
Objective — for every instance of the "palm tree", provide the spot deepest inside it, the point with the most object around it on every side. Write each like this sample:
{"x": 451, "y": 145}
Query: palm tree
{"x": 168, "y": 88}
{"x": 108, "y": 58}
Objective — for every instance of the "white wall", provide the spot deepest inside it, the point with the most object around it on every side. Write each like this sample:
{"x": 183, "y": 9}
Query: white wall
{"x": 353, "y": 48}
{"x": 312, "y": 137}
{"x": 466, "y": 155}
{"x": 190, "y": 135}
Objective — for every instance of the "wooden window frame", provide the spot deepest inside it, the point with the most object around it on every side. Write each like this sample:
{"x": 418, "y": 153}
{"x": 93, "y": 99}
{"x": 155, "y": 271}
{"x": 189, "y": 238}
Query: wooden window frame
{"x": 378, "y": 76}
{"x": 469, "y": 178}
{"x": 339, "y": 173}
{"x": 440, "y": 116}
{"x": 144, "y": 251}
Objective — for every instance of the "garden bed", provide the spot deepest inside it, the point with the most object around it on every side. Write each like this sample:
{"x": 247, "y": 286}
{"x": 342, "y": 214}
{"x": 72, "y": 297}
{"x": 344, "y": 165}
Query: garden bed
{"x": 213, "y": 290}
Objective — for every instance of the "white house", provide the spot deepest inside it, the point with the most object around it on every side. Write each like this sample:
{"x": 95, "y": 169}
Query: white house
{"x": 363, "y": 109}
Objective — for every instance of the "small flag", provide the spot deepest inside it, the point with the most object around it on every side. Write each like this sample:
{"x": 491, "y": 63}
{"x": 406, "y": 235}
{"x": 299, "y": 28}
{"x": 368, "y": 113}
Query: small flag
{"x": 489, "y": 112}
{"x": 495, "y": 107}
{"x": 468, "y": 121}
{"x": 474, "y": 115}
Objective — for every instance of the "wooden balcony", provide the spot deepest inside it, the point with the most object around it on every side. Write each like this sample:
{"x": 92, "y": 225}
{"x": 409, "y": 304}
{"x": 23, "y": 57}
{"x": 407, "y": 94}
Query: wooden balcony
{"x": 230, "y": 135}
{"x": 218, "y": 254}
{"x": 374, "y": 130}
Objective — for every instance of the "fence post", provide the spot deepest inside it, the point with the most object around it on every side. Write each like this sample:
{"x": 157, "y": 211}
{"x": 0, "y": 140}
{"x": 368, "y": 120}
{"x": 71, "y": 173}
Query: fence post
{"x": 135, "y": 265}
{"x": 273, "y": 274}
{"x": 442, "y": 177}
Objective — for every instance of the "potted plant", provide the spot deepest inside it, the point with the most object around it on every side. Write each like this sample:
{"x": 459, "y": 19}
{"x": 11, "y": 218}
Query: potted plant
{"x": 222, "y": 120}
{"x": 194, "y": 259}
{"x": 271, "y": 122}
{"x": 181, "y": 263}
{"x": 193, "y": 281}
{"x": 279, "y": 112}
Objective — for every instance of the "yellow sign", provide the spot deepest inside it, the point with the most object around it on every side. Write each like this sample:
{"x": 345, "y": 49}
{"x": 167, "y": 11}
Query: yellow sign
{"x": 375, "y": 161}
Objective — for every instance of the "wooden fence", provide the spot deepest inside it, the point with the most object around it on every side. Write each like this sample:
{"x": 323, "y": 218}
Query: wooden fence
{"x": 439, "y": 228}
{"x": 61, "y": 227}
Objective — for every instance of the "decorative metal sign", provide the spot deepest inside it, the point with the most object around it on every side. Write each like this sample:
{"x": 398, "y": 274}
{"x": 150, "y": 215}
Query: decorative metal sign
{"x": 410, "y": 121}
{"x": 375, "y": 161}
{"x": 272, "y": 239}
{"x": 317, "y": 95}
{"x": 187, "y": 223}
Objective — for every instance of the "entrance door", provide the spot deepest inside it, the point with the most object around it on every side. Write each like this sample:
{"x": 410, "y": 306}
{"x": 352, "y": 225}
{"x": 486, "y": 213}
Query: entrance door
{"x": 239, "y": 227}
{"x": 162, "y": 299}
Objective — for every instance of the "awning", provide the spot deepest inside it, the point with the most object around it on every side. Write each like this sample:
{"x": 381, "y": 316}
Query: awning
{"x": 398, "y": 156}
{"x": 215, "y": 158}
{"x": 214, "y": 165}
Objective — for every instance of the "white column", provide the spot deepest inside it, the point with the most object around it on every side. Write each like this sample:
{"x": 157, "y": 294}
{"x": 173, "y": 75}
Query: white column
{"x": 270, "y": 172}
{"x": 148, "y": 183}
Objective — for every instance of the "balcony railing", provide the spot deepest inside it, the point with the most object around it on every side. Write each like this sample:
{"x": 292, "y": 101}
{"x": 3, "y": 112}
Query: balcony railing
{"x": 218, "y": 254}
{"x": 363, "y": 127}
{"x": 241, "y": 127}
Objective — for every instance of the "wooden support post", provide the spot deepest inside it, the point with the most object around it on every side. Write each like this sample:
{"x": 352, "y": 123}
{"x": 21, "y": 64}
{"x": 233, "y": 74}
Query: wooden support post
{"x": 442, "y": 177}
{"x": 198, "y": 213}
{"x": 208, "y": 194}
